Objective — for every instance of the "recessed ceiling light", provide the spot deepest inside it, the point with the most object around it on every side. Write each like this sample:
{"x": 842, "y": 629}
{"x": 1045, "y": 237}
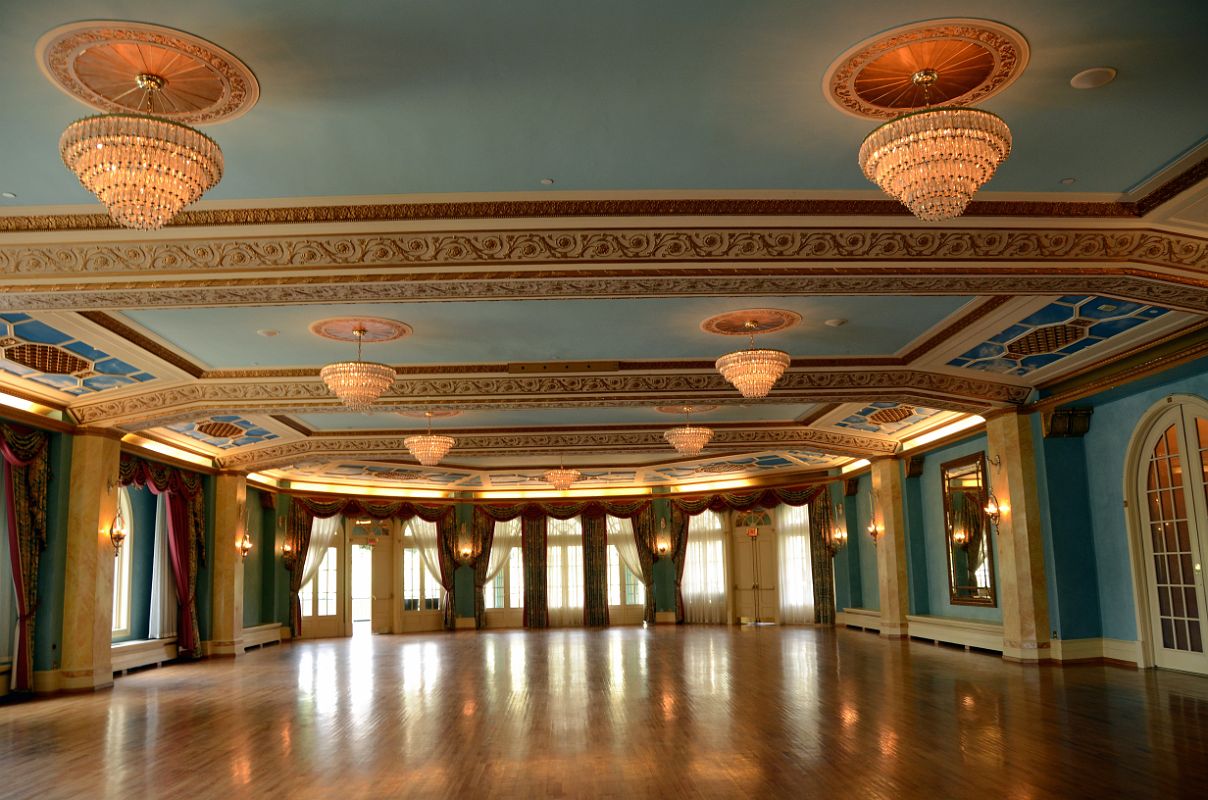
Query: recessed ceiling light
{"x": 1093, "y": 78}
{"x": 547, "y": 181}
{"x": 1068, "y": 181}
{"x": 7, "y": 195}
{"x": 835, "y": 323}
{"x": 267, "y": 332}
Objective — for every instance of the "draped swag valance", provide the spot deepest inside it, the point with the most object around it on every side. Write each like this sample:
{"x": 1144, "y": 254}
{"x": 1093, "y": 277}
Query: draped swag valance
{"x": 26, "y": 463}
{"x": 185, "y": 495}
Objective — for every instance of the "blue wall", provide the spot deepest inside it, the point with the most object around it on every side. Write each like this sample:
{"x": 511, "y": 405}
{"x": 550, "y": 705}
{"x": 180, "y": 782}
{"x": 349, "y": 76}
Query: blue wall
{"x": 1116, "y": 416}
{"x": 253, "y": 565}
{"x": 916, "y": 543}
{"x": 935, "y": 535}
{"x": 848, "y": 589}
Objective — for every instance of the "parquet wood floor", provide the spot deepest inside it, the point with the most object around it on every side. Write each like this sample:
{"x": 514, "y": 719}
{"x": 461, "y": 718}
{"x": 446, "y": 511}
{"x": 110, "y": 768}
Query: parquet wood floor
{"x": 668, "y": 712}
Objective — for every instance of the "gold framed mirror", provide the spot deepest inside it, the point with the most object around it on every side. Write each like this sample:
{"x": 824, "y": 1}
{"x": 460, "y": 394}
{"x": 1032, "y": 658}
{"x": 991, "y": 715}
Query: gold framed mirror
{"x": 968, "y": 532}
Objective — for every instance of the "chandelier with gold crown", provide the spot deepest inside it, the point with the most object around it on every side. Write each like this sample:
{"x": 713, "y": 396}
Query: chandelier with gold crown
{"x": 358, "y": 383}
{"x": 934, "y": 160}
{"x": 755, "y": 370}
{"x": 688, "y": 439}
{"x": 429, "y": 448}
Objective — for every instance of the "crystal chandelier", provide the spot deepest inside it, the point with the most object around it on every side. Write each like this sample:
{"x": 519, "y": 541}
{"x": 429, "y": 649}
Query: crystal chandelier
{"x": 934, "y": 160}
{"x": 688, "y": 439}
{"x": 358, "y": 383}
{"x": 143, "y": 168}
{"x": 753, "y": 371}
{"x": 561, "y": 478}
{"x": 429, "y": 448}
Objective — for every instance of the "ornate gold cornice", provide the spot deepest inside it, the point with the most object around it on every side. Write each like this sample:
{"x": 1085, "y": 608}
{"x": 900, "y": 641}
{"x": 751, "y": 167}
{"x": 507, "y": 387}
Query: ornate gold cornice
{"x": 936, "y": 390}
{"x": 1147, "y": 265}
{"x": 528, "y": 443}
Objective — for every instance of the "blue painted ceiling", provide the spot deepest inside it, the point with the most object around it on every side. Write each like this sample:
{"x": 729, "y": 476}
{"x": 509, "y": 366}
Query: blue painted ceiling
{"x": 413, "y": 96}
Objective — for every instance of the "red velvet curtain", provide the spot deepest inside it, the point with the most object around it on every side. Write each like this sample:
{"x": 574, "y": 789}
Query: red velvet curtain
{"x": 184, "y": 495}
{"x": 26, "y": 475}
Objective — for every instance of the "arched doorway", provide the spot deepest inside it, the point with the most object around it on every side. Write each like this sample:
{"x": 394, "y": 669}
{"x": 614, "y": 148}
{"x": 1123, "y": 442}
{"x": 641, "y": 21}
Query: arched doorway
{"x": 1166, "y": 486}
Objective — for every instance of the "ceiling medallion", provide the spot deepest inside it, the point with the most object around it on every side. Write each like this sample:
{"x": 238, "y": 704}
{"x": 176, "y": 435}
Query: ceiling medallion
{"x": 753, "y": 371}
{"x": 935, "y": 153}
{"x": 429, "y": 448}
{"x": 688, "y": 439}
{"x": 976, "y": 59}
{"x": 373, "y": 329}
{"x": 746, "y": 322}
{"x": 140, "y": 158}
{"x": 358, "y": 383}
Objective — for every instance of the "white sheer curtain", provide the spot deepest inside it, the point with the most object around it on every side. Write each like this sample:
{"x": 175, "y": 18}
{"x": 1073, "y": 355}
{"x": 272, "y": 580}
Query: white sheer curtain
{"x": 620, "y": 534}
{"x": 564, "y": 571}
{"x": 507, "y": 536}
{"x": 322, "y": 533}
{"x": 704, "y": 583}
{"x": 796, "y": 567}
{"x": 425, "y": 534}
{"x": 163, "y": 586}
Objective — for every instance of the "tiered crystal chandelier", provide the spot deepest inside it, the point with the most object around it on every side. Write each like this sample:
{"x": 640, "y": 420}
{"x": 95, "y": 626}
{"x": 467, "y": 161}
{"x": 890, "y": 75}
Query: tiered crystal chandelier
{"x": 753, "y": 371}
{"x": 688, "y": 439}
{"x": 933, "y": 161}
{"x": 358, "y": 383}
{"x": 561, "y": 478}
{"x": 429, "y": 448}
{"x": 144, "y": 169}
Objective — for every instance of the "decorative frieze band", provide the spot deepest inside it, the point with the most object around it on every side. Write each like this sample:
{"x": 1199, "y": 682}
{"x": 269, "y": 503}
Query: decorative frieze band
{"x": 936, "y": 390}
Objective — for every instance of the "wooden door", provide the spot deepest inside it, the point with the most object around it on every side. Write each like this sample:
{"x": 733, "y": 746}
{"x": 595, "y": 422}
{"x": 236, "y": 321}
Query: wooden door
{"x": 755, "y": 570}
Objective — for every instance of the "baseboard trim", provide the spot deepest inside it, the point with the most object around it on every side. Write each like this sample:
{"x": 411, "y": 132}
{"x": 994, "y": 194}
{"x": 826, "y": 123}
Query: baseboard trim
{"x": 1118, "y": 652}
{"x": 863, "y": 618}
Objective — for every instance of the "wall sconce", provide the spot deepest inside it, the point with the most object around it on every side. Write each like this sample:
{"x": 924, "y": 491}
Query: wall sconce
{"x": 117, "y": 531}
{"x": 838, "y": 538}
{"x": 288, "y": 556}
{"x": 244, "y": 546}
{"x": 994, "y": 510}
{"x": 663, "y": 540}
{"x": 874, "y": 529}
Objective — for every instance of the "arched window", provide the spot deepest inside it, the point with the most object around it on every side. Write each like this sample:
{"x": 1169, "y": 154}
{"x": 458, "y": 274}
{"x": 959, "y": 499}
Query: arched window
{"x": 122, "y": 565}
{"x": 564, "y": 571}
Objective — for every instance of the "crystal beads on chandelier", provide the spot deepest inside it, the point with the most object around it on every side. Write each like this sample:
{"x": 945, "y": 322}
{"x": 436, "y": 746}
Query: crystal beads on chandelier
{"x": 688, "y": 439}
{"x": 358, "y": 383}
{"x": 933, "y": 161}
{"x": 753, "y": 371}
{"x": 429, "y": 448}
{"x": 144, "y": 169}
{"x": 561, "y": 478}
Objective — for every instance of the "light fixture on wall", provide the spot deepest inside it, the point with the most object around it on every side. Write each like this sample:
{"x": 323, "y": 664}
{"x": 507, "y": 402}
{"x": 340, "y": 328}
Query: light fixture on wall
{"x": 288, "y": 557}
{"x": 994, "y": 509}
{"x": 244, "y": 546}
{"x": 934, "y": 160}
{"x": 875, "y": 530}
{"x": 358, "y": 383}
{"x": 755, "y": 370}
{"x": 960, "y": 536}
{"x": 688, "y": 439}
{"x": 834, "y": 525}
{"x": 118, "y": 530}
{"x": 429, "y": 448}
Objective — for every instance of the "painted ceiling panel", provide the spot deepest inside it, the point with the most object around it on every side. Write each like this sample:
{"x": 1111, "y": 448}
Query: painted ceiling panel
{"x": 539, "y": 330}
{"x": 35, "y": 351}
{"x": 482, "y": 96}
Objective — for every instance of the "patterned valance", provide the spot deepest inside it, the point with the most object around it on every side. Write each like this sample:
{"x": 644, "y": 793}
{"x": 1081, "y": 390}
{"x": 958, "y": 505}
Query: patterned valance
{"x": 358, "y": 507}
{"x": 137, "y": 471}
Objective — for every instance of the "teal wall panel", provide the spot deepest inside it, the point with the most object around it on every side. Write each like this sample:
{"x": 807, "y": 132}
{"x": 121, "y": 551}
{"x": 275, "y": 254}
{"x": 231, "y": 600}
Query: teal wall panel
{"x": 253, "y": 565}
{"x": 870, "y": 595}
{"x": 1116, "y": 416}
{"x": 935, "y": 534}
{"x": 463, "y": 590}
{"x": 847, "y": 560}
{"x": 52, "y": 568}
{"x": 664, "y": 584}
{"x": 916, "y": 544}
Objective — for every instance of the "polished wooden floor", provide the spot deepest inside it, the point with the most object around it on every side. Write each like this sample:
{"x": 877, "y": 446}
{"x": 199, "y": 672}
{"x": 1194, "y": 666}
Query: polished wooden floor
{"x": 627, "y": 712}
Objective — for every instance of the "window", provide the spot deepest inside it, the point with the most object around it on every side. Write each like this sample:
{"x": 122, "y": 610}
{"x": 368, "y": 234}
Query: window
{"x": 796, "y": 567}
{"x": 506, "y": 589}
{"x": 322, "y": 602}
{"x": 624, "y": 588}
{"x": 704, "y": 583}
{"x": 564, "y": 571}
{"x": 122, "y": 588}
{"x": 421, "y": 588}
